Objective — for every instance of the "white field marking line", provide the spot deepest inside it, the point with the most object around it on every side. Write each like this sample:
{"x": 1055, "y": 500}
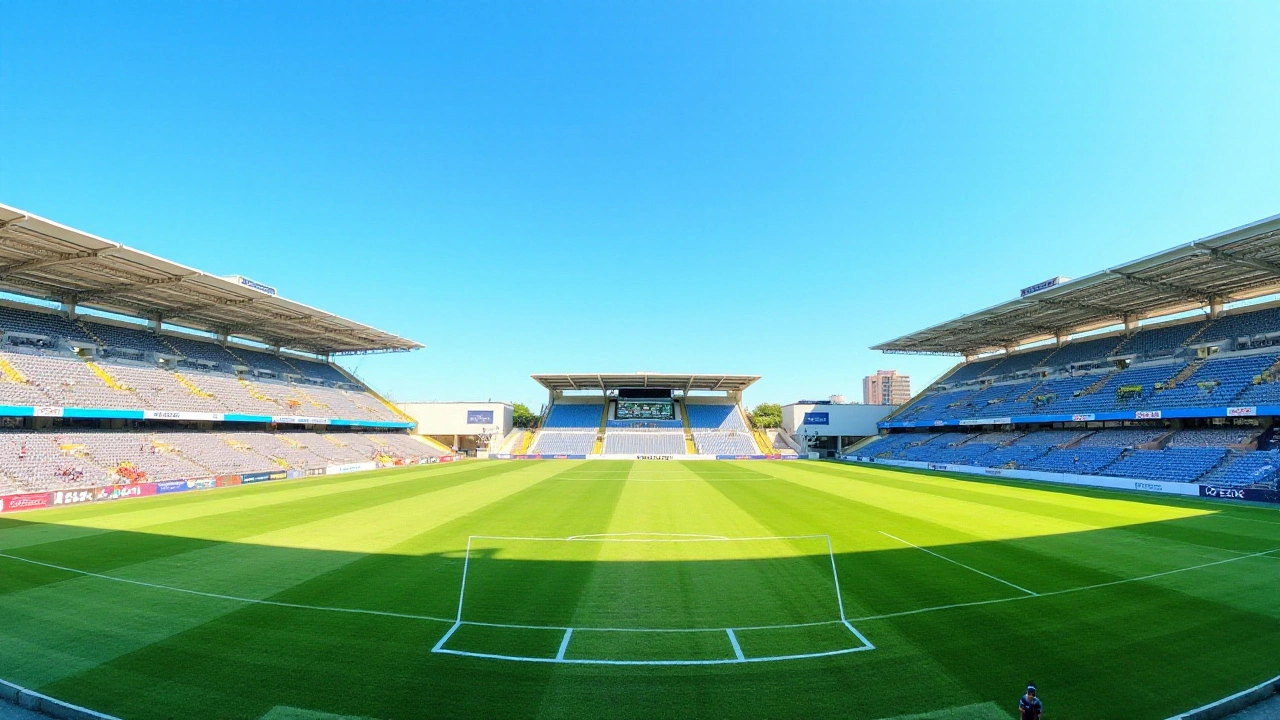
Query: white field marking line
{"x": 466, "y": 560}
{"x": 445, "y": 638}
{"x": 656, "y": 537}
{"x": 955, "y": 562}
{"x": 1124, "y": 581}
{"x": 453, "y": 621}
{"x": 564, "y": 644}
{"x": 593, "y": 536}
{"x": 835, "y": 577}
{"x": 231, "y": 598}
{"x": 726, "y": 661}
{"x": 737, "y": 649}
{"x": 519, "y": 626}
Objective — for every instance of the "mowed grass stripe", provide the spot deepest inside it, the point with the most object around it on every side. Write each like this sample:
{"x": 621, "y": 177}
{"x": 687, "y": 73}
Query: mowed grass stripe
{"x": 116, "y": 549}
{"x": 423, "y": 573}
{"x": 245, "y": 570}
{"x": 43, "y": 526}
{"x": 876, "y": 574}
{"x": 941, "y": 521}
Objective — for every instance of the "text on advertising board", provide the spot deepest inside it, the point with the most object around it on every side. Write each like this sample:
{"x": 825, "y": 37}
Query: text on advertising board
{"x": 479, "y": 417}
{"x": 817, "y": 418}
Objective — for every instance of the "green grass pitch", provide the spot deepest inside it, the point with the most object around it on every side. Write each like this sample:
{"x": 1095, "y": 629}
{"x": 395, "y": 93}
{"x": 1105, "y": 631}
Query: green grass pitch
{"x": 687, "y": 589}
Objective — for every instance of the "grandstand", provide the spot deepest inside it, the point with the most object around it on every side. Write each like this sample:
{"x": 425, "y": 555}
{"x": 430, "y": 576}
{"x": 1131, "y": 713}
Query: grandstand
{"x": 1164, "y": 369}
{"x": 634, "y": 415}
{"x": 148, "y": 371}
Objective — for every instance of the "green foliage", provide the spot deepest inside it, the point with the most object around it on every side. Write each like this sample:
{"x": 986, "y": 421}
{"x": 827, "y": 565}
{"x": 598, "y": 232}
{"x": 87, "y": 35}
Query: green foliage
{"x": 767, "y": 415}
{"x": 522, "y": 416}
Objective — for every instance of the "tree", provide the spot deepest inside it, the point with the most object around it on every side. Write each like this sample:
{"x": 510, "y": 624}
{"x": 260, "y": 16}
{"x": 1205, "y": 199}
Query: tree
{"x": 767, "y": 415}
{"x": 522, "y": 416}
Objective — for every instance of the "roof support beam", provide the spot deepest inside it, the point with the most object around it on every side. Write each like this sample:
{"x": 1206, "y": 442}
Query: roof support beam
{"x": 1234, "y": 259}
{"x": 123, "y": 288}
{"x": 1187, "y": 293}
{"x": 46, "y": 262}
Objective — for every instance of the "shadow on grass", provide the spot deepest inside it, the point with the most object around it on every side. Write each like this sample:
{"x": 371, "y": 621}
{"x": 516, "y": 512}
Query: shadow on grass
{"x": 184, "y": 627}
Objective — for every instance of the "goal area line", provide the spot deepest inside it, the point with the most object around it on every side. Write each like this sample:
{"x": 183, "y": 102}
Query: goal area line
{"x": 733, "y": 647}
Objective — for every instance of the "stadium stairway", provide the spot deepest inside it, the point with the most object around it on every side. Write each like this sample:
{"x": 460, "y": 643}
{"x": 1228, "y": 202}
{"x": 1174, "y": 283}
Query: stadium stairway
{"x": 106, "y": 377}
{"x": 604, "y": 424}
{"x": 689, "y": 446}
{"x": 11, "y": 373}
{"x": 85, "y": 327}
{"x": 195, "y": 390}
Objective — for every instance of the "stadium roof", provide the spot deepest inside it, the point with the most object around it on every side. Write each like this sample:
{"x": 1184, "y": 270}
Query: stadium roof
{"x": 42, "y": 259}
{"x": 1238, "y": 264}
{"x": 673, "y": 381}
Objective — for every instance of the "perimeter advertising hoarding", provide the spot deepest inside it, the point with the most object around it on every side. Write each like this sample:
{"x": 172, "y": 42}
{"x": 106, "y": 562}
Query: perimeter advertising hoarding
{"x": 1221, "y": 492}
{"x": 118, "y": 492}
{"x": 226, "y": 480}
{"x": 172, "y": 486}
{"x": 30, "y": 501}
{"x": 71, "y": 497}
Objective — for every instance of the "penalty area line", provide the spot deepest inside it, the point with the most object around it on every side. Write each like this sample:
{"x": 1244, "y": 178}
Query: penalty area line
{"x": 1083, "y": 588}
{"x": 956, "y": 562}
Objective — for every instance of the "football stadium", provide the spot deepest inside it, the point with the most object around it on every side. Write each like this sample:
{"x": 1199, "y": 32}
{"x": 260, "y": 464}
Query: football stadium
{"x": 205, "y": 516}
{"x": 392, "y": 360}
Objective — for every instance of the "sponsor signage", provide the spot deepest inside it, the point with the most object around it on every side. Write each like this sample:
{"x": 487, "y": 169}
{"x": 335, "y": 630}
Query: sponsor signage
{"x": 1084, "y": 417}
{"x": 655, "y": 457}
{"x": 817, "y": 418}
{"x": 1224, "y": 493}
{"x": 312, "y": 472}
{"x": 248, "y": 478}
{"x": 15, "y": 503}
{"x": 1147, "y": 415}
{"x": 251, "y": 284}
{"x": 175, "y": 415}
{"x": 71, "y": 497}
{"x": 226, "y": 480}
{"x": 47, "y": 411}
{"x": 202, "y": 484}
{"x": 300, "y": 420}
{"x": 479, "y": 417}
{"x": 1042, "y": 286}
{"x": 119, "y": 492}
{"x": 172, "y": 486}
{"x": 351, "y": 467}
{"x": 986, "y": 421}
{"x": 1242, "y": 411}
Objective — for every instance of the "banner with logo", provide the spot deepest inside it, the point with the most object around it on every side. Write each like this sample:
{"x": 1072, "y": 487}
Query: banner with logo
{"x": 1226, "y": 492}
{"x": 249, "y": 478}
{"x": 175, "y": 415}
{"x": 203, "y": 484}
{"x": 226, "y": 480}
{"x": 71, "y": 497}
{"x": 479, "y": 417}
{"x": 350, "y": 467}
{"x": 817, "y": 418}
{"x": 26, "y": 501}
{"x": 172, "y": 486}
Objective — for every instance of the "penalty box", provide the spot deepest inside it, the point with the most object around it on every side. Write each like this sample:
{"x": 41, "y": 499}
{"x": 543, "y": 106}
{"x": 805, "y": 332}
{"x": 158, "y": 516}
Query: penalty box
{"x": 650, "y": 599}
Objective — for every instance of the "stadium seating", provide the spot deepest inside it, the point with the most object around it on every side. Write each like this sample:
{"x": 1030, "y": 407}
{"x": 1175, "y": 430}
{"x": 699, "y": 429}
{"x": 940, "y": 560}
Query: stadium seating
{"x": 644, "y": 442}
{"x": 1192, "y": 455}
{"x": 581, "y": 417}
{"x": 34, "y": 461}
{"x": 49, "y": 360}
{"x": 718, "y": 429}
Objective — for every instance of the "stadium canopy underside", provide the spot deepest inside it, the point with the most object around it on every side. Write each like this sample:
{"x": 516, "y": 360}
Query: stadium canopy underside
{"x": 43, "y": 259}
{"x": 1236, "y": 265}
{"x": 616, "y": 381}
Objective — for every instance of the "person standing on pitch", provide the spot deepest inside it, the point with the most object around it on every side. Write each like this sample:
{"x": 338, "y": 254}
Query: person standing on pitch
{"x": 1029, "y": 706}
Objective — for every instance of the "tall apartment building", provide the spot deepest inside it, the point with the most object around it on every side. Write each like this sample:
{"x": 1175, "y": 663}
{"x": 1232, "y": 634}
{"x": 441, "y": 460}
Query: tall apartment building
{"x": 886, "y": 387}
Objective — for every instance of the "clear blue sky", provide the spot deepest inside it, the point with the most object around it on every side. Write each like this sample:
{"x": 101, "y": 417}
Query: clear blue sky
{"x": 669, "y": 186}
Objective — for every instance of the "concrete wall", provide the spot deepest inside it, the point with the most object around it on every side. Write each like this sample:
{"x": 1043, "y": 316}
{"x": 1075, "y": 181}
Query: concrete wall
{"x": 450, "y": 418}
{"x": 843, "y": 420}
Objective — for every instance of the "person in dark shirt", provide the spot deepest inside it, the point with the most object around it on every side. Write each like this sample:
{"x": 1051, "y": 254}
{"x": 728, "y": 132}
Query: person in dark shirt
{"x": 1029, "y": 705}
